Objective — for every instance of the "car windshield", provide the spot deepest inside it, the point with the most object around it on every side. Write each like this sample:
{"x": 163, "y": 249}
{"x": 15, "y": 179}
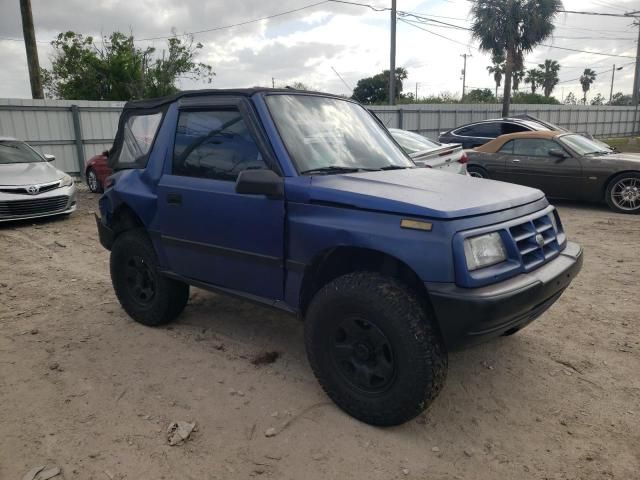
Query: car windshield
{"x": 412, "y": 142}
{"x": 328, "y": 135}
{"x": 583, "y": 145}
{"x": 12, "y": 151}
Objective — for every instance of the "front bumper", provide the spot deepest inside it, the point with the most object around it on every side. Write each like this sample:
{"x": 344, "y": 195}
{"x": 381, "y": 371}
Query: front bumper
{"x": 472, "y": 315}
{"x": 59, "y": 201}
{"x": 105, "y": 234}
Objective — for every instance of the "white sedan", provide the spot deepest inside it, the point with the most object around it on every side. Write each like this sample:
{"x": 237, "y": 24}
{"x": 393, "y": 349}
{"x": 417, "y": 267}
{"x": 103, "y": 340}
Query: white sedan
{"x": 429, "y": 153}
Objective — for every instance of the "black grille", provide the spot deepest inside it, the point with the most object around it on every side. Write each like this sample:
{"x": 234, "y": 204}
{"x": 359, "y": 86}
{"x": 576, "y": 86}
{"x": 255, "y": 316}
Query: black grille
{"x": 536, "y": 240}
{"x": 23, "y": 190}
{"x": 35, "y": 206}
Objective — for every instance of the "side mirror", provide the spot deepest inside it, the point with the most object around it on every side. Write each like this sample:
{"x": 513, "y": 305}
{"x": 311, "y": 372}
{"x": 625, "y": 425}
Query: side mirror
{"x": 48, "y": 157}
{"x": 559, "y": 154}
{"x": 260, "y": 182}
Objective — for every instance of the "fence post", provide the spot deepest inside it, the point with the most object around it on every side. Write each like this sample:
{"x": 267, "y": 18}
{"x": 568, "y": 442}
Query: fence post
{"x": 400, "y": 118}
{"x": 439, "y": 128}
{"x": 77, "y": 133}
{"x": 419, "y": 126}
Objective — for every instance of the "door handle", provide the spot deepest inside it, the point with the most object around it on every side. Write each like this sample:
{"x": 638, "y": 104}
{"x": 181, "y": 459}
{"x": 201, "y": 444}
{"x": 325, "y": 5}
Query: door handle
{"x": 516, "y": 160}
{"x": 174, "y": 199}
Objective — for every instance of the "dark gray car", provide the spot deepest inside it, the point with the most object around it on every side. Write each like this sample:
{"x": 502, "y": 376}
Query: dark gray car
{"x": 562, "y": 165}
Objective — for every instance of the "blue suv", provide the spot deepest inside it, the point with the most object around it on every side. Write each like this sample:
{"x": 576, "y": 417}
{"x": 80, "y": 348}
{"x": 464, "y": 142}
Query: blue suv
{"x": 304, "y": 202}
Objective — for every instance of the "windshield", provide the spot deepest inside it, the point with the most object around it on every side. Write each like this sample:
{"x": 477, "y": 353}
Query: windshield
{"x": 333, "y": 135}
{"x": 412, "y": 142}
{"x": 12, "y": 151}
{"x": 583, "y": 145}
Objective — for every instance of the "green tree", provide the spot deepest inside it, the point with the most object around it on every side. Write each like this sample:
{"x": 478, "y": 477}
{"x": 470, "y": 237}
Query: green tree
{"x": 497, "y": 69}
{"x": 570, "y": 99}
{"x": 116, "y": 69}
{"x": 533, "y": 98}
{"x": 534, "y": 78}
{"x": 620, "y": 99}
{"x": 518, "y": 76}
{"x": 586, "y": 80}
{"x": 479, "y": 95}
{"x": 376, "y": 89}
{"x": 300, "y": 86}
{"x": 598, "y": 100}
{"x": 512, "y": 27}
{"x": 549, "y": 76}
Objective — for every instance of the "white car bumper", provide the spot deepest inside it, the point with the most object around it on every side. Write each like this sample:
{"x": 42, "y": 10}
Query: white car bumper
{"x": 59, "y": 201}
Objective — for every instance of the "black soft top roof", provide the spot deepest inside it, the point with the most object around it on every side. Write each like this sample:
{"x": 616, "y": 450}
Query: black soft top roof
{"x": 153, "y": 103}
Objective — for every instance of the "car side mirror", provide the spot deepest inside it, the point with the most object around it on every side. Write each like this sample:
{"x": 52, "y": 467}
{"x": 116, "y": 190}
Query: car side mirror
{"x": 48, "y": 157}
{"x": 260, "y": 182}
{"x": 559, "y": 154}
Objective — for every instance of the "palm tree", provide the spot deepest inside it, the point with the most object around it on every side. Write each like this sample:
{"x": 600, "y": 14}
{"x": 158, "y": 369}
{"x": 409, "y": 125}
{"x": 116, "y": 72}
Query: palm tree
{"x": 497, "y": 69}
{"x": 586, "y": 80}
{"x": 549, "y": 76}
{"x": 513, "y": 27}
{"x": 534, "y": 78}
{"x": 518, "y": 76}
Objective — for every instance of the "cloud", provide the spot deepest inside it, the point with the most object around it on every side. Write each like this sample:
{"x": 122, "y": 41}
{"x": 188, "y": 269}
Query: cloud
{"x": 307, "y": 45}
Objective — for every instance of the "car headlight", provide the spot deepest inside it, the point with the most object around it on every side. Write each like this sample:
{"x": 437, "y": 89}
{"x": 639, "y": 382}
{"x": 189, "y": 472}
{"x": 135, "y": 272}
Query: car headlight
{"x": 66, "y": 181}
{"x": 484, "y": 250}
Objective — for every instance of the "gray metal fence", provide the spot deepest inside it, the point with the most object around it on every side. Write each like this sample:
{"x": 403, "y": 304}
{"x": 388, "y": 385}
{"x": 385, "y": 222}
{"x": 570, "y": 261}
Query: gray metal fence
{"x": 76, "y": 130}
{"x": 430, "y": 120}
{"x": 70, "y": 130}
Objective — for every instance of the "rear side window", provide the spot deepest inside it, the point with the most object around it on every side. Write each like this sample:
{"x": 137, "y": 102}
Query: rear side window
{"x": 508, "y": 128}
{"x": 533, "y": 147}
{"x": 138, "y": 134}
{"x": 214, "y": 144}
{"x": 487, "y": 130}
{"x": 507, "y": 147}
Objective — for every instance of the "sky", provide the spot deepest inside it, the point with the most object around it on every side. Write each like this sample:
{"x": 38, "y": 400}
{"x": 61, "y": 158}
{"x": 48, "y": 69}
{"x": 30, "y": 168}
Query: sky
{"x": 312, "y": 44}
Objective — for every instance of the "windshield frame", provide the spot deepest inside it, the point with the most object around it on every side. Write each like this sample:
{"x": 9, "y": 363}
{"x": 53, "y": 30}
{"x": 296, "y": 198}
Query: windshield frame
{"x": 37, "y": 157}
{"x": 292, "y": 160}
{"x": 570, "y": 147}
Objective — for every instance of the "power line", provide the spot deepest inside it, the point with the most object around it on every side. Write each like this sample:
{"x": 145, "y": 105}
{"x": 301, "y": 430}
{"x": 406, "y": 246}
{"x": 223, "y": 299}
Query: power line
{"x": 597, "y": 73}
{"x": 600, "y": 14}
{"x": 434, "y": 33}
{"x": 585, "y": 51}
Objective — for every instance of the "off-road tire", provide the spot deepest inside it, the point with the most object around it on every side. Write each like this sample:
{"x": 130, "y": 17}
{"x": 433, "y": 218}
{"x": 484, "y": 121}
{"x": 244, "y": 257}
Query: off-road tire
{"x": 477, "y": 172}
{"x": 98, "y": 188}
{"x": 169, "y": 296}
{"x": 419, "y": 356}
{"x": 630, "y": 176}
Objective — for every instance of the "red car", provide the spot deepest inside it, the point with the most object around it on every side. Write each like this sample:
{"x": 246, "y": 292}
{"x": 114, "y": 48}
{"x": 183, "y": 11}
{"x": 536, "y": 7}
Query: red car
{"x": 96, "y": 171}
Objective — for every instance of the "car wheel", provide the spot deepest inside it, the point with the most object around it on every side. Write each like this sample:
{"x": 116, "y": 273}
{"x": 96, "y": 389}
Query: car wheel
{"x": 374, "y": 348}
{"x": 92, "y": 181}
{"x": 145, "y": 294}
{"x": 477, "y": 172}
{"x": 623, "y": 193}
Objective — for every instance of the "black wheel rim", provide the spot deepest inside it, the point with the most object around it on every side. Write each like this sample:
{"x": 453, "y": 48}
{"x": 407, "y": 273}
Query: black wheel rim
{"x": 140, "y": 280}
{"x": 363, "y": 355}
{"x": 93, "y": 181}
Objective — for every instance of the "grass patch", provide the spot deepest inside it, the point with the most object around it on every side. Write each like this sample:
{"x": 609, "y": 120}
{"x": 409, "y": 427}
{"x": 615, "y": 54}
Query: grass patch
{"x": 627, "y": 144}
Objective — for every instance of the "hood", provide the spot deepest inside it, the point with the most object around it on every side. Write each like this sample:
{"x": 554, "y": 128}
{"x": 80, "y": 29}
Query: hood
{"x": 28, "y": 173}
{"x": 421, "y": 192}
{"x": 621, "y": 157}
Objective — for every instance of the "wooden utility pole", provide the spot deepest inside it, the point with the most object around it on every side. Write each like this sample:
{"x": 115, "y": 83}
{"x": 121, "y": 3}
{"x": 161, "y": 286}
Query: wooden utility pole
{"x": 464, "y": 73}
{"x": 636, "y": 76}
{"x": 392, "y": 66}
{"x": 32, "y": 49}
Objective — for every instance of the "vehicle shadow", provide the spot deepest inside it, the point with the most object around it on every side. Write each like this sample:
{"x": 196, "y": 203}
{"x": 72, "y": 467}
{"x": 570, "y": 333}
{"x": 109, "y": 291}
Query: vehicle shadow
{"x": 34, "y": 222}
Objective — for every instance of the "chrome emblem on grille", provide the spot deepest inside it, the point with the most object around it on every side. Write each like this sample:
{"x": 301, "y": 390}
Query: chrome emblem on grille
{"x": 540, "y": 240}
{"x": 33, "y": 189}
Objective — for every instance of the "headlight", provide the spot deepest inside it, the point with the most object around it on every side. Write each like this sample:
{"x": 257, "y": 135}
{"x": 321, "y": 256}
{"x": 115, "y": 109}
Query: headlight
{"x": 66, "y": 181}
{"x": 484, "y": 250}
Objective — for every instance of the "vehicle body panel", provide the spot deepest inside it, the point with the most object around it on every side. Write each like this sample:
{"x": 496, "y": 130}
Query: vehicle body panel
{"x": 100, "y": 164}
{"x": 579, "y": 177}
{"x": 488, "y": 130}
{"x": 429, "y": 153}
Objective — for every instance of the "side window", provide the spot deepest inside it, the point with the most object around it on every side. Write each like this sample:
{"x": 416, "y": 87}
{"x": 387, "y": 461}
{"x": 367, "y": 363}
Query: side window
{"x": 214, "y": 144}
{"x": 533, "y": 147}
{"x": 507, "y": 147}
{"x": 466, "y": 131}
{"x": 508, "y": 127}
{"x": 138, "y": 134}
{"x": 488, "y": 130}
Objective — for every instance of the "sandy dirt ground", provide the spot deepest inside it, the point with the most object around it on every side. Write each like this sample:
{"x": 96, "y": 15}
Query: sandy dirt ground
{"x": 84, "y": 388}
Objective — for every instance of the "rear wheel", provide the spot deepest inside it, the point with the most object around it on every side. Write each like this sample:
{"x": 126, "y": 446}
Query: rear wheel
{"x": 623, "y": 193}
{"x": 145, "y": 294}
{"x": 477, "y": 172}
{"x": 374, "y": 348}
{"x": 92, "y": 181}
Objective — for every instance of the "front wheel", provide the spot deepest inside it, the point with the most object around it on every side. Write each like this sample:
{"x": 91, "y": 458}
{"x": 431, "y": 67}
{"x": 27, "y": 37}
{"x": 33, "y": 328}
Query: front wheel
{"x": 374, "y": 348}
{"x": 145, "y": 294}
{"x": 623, "y": 193}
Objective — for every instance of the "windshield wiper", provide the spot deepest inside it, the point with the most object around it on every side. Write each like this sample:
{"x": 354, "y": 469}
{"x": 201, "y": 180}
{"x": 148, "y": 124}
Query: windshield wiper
{"x": 334, "y": 169}
{"x": 393, "y": 167}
